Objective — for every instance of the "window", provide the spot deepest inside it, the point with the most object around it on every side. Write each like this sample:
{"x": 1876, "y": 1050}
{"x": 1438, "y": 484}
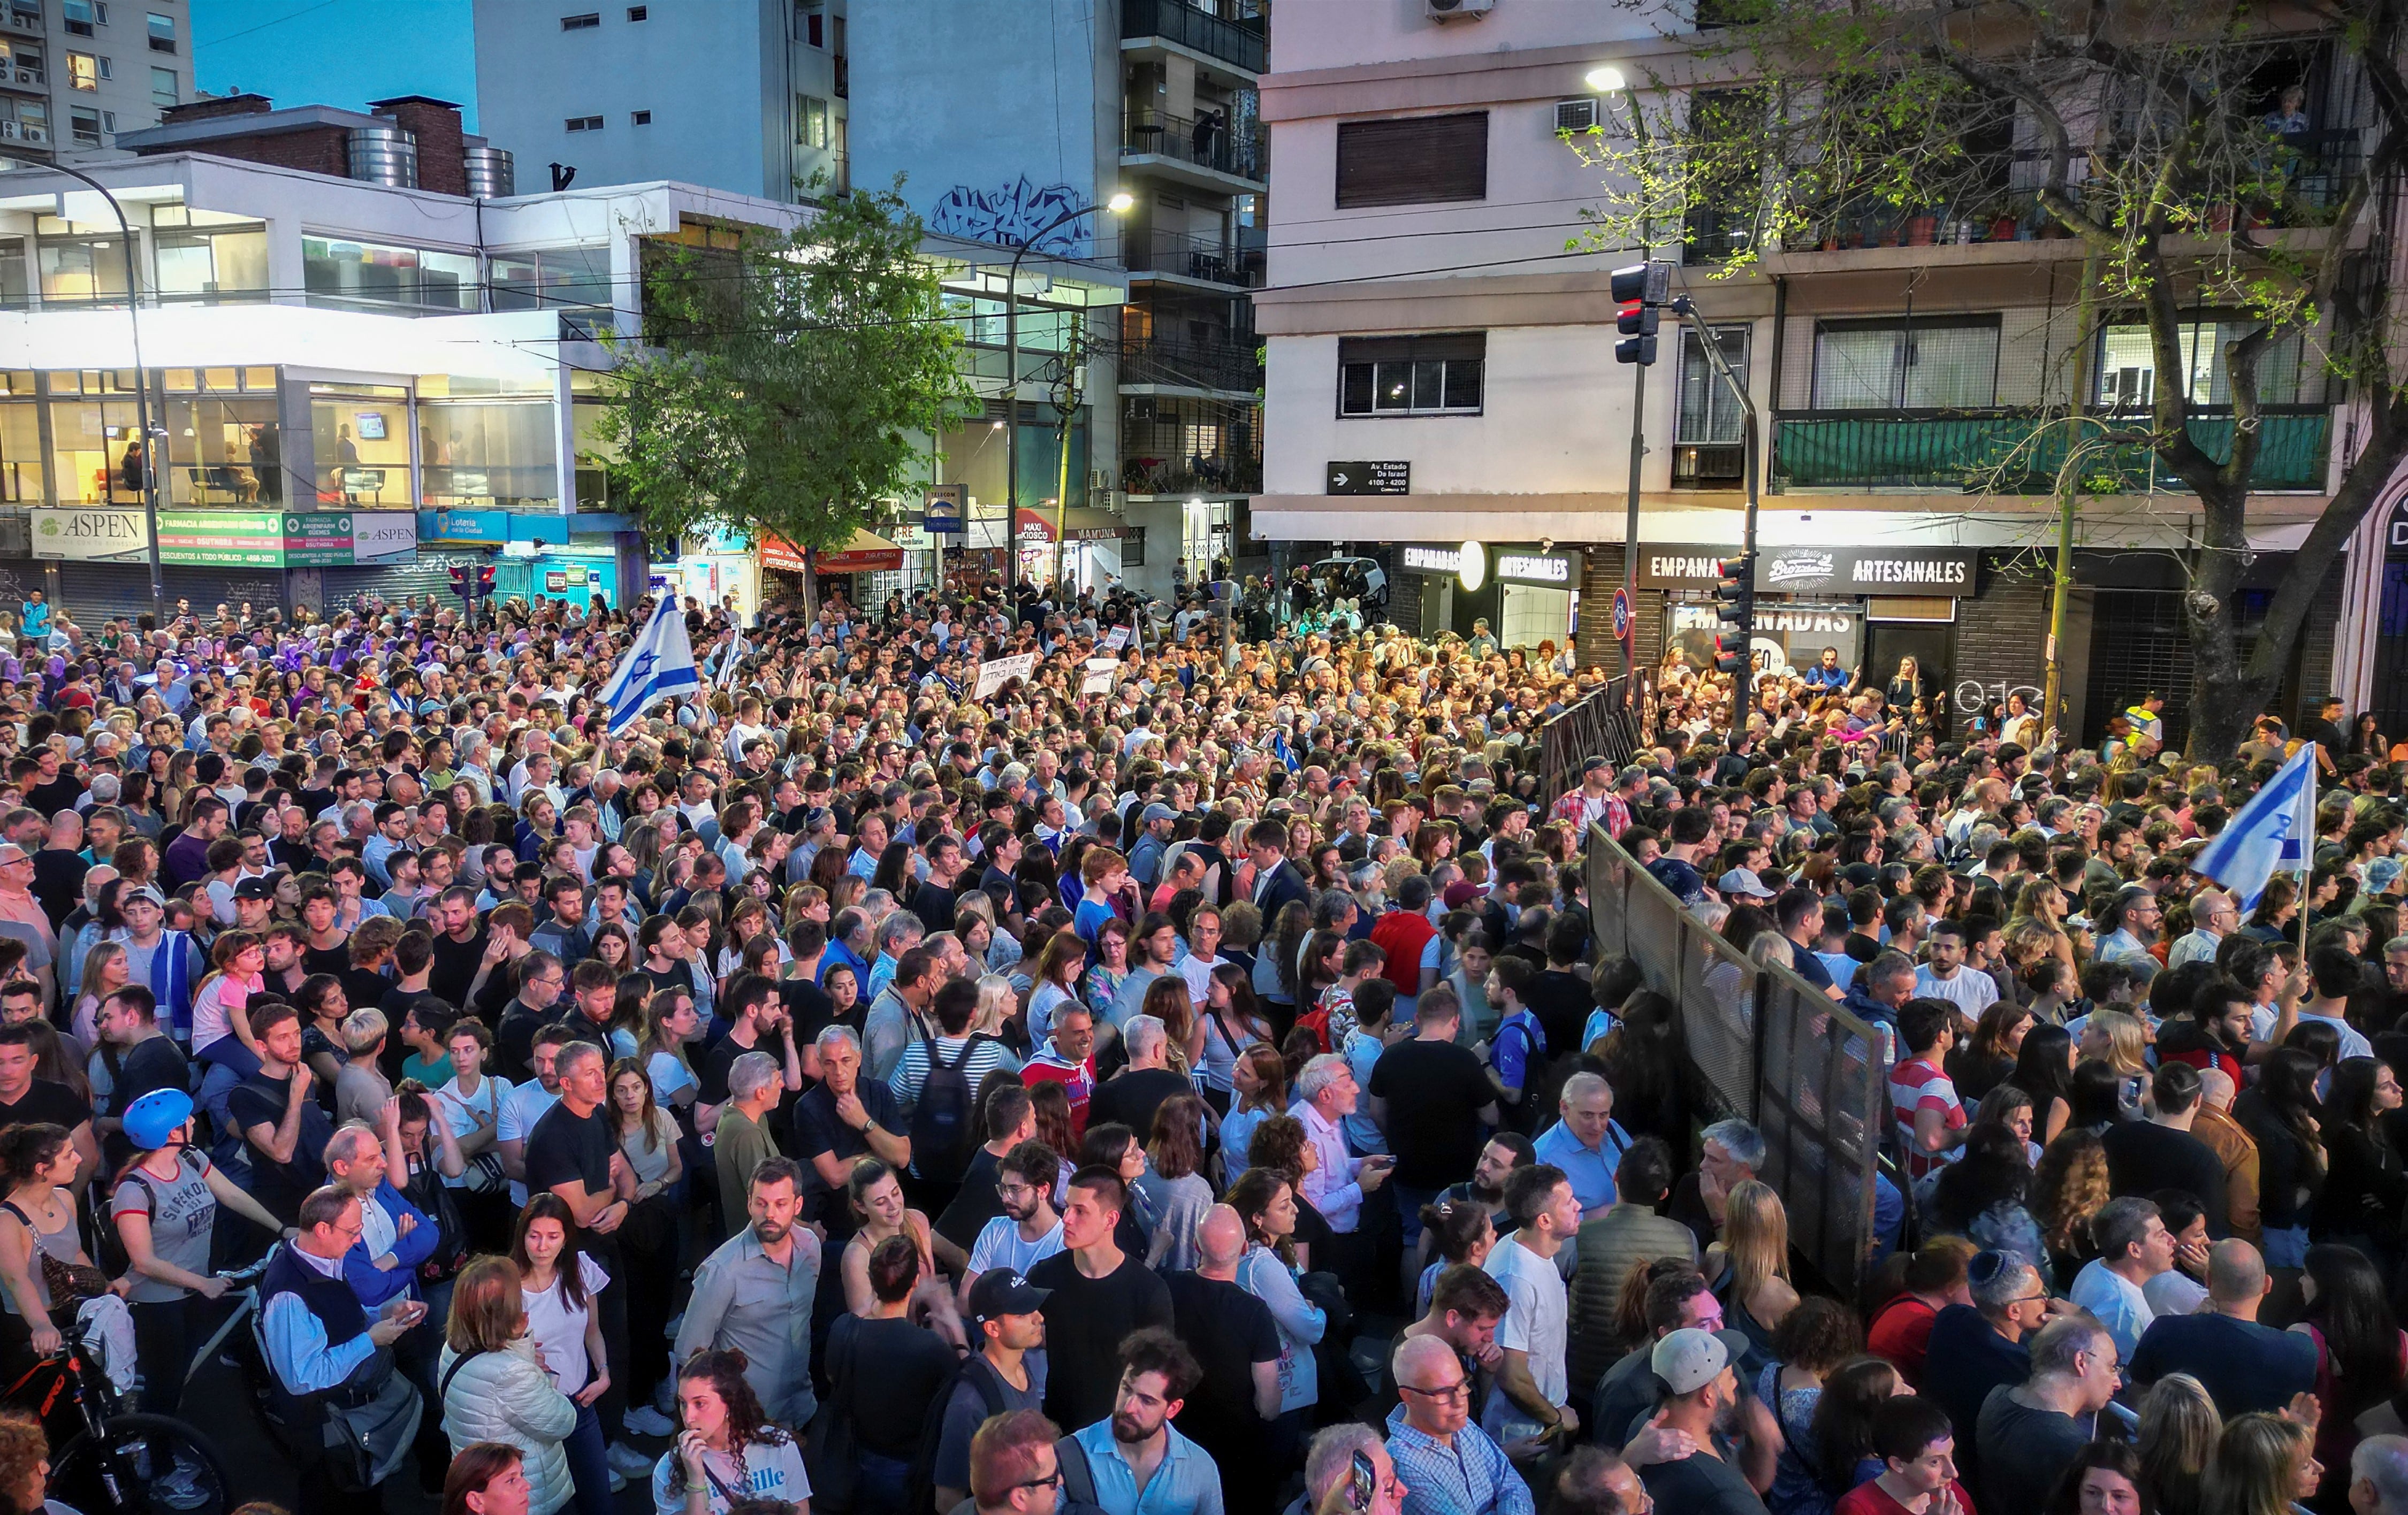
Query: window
{"x": 84, "y": 16}
{"x": 163, "y": 33}
{"x": 85, "y": 126}
{"x": 211, "y": 264}
{"x": 810, "y": 122}
{"x": 1412, "y": 375}
{"x": 810, "y": 25}
{"x": 338, "y": 271}
{"x": 638, "y": 13}
{"x": 108, "y": 120}
{"x": 2127, "y": 366}
{"x": 573, "y": 278}
{"x": 84, "y": 71}
{"x": 28, "y": 65}
{"x": 579, "y": 23}
{"x": 1915, "y": 366}
{"x": 584, "y": 123}
{"x": 639, "y": 118}
{"x": 1710, "y": 438}
{"x": 163, "y": 87}
{"x": 1414, "y": 160}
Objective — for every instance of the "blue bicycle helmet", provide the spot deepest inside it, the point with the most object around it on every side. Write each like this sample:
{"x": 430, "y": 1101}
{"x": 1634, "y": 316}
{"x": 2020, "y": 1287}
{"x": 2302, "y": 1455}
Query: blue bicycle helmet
{"x": 152, "y": 1120}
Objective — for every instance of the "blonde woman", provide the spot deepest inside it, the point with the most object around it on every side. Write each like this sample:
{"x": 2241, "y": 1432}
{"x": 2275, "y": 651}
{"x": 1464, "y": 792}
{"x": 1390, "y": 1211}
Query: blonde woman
{"x": 1752, "y": 1261}
{"x": 2265, "y": 1465}
{"x": 105, "y": 970}
{"x": 2179, "y": 1430}
{"x": 2120, "y": 1038}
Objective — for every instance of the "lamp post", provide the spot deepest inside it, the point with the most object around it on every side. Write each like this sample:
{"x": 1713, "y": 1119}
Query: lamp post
{"x": 150, "y": 437}
{"x": 1119, "y": 206}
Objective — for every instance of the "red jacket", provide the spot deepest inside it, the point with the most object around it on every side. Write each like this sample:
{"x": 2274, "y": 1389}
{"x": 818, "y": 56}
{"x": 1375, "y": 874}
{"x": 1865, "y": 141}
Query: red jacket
{"x": 1402, "y": 935}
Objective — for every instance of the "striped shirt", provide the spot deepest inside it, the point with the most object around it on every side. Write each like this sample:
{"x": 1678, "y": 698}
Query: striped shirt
{"x": 1914, "y": 1086}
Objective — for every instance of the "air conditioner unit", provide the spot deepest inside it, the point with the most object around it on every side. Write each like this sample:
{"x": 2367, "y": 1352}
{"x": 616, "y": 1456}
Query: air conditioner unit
{"x": 1447, "y": 11}
{"x": 38, "y": 133}
{"x": 1099, "y": 482}
{"x": 1576, "y": 115}
{"x": 8, "y": 131}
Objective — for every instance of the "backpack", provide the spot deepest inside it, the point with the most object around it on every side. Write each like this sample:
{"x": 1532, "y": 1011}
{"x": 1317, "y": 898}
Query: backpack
{"x": 944, "y": 1125}
{"x": 109, "y": 1249}
{"x": 919, "y": 1491}
{"x": 1317, "y": 1022}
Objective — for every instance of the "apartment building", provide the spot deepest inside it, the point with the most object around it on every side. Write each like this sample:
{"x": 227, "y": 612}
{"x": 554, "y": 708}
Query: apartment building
{"x": 75, "y": 73}
{"x": 1441, "y": 365}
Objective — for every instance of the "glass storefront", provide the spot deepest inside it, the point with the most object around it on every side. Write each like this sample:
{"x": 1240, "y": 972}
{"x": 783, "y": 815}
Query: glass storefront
{"x": 361, "y": 438}
{"x": 20, "y": 440}
{"x": 487, "y": 445}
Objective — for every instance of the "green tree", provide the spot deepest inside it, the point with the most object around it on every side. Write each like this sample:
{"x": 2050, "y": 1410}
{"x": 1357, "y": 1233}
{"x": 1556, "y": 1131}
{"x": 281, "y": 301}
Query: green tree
{"x": 779, "y": 383}
{"x": 2150, "y": 130}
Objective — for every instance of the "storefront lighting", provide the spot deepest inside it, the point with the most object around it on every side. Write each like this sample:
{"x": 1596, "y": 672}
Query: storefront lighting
{"x": 1475, "y": 568}
{"x": 1605, "y": 79}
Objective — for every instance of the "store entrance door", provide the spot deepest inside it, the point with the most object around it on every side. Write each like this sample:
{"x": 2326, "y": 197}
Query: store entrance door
{"x": 1933, "y": 648}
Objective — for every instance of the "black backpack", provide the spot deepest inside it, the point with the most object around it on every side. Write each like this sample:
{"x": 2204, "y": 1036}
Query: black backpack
{"x": 920, "y": 1490}
{"x": 944, "y": 1125}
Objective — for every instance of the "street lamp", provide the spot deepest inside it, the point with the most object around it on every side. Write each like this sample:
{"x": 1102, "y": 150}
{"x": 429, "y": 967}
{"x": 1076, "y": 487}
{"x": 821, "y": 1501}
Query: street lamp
{"x": 1119, "y": 205}
{"x": 151, "y": 437}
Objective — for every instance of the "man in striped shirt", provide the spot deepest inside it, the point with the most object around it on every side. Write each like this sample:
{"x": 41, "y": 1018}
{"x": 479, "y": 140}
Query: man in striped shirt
{"x": 1930, "y": 1118}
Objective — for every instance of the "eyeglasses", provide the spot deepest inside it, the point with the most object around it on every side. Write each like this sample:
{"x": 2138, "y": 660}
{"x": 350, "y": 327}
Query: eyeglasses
{"x": 1051, "y": 1480}
{"x": 1457, "y": 1390}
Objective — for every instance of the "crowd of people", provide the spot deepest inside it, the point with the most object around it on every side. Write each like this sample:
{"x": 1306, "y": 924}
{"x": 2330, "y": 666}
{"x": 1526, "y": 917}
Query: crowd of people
{"x": 845, "y": 1089}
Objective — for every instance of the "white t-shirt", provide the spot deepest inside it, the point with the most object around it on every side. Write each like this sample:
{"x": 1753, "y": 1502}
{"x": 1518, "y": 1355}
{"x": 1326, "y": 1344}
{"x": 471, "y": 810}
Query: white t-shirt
{"x": 2119, "y": 1302}
{"x": 522, "y": 1108}
{"x": 1000, "y": 1244}
{"x": 492, "y": 1093}
{"x": 1972, "y": 992}
{"x": 768, "y": 1472}
{"x": 559, "y": 1328}
{"x": 1536, "y": 1323}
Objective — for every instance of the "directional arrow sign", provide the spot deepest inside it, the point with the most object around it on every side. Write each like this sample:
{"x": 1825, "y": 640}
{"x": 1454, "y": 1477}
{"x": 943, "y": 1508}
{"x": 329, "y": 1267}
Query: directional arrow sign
{"x": 1393, "y": 476}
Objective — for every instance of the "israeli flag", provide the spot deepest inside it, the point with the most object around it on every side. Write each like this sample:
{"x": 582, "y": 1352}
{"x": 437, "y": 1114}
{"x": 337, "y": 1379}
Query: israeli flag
{"x": 2274, "y": 832}
{"x": 659, "y": 666}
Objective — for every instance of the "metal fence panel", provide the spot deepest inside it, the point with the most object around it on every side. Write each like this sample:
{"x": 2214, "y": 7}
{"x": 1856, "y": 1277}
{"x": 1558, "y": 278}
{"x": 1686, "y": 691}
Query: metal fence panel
{"x": 1772, "y": 1047}
{"x": 1613, "y": 723}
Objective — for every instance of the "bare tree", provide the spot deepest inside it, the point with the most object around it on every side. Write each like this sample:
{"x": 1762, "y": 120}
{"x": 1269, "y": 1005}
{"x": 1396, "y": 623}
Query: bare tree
{"x": 2172, "y": 138}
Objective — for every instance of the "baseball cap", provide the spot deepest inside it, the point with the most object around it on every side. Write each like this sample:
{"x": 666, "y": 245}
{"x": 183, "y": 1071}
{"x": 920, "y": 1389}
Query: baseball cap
{"x": 255, "y": 889}
{"x": 1002, "y": 1290}
{"x": 1593, "y": 765}
{"x": 1690, "y": 1359}
{"x": 146, "y": 891}
{"x": 1157, "y": 811}
{"x": 1742, "y": 881}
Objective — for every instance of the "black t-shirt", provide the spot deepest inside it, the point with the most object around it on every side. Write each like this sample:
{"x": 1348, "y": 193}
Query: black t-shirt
{"x": 974, "y": 1204}
{"x": 932, "y": 902}
{"x": 363, "y": 987}
{"x": 2024, "y": 1451}
{"x": 155, "y": 1063}
{"x": 514, "y": 1039}
{"x": 2244, "y": 1366}
{"x": 1229, "y": 1331}
{"x": 899, "y": 1371}
{"x": 46, "y": 1101}
{"x": 335, "y": 960}
{"x": 566, "y": 1146}
{"x": 58, "y": 794}
{"x": 58, "y": 882}
{"x": 809, "y": 1005}
{"x": 1561, "y": 1001}
{"x": 260, "y": 1100}
{"x": 1132, "y": 1098}
{"x": 1702, "y": 1485}
{"x": 1435, "y": 1092}
{"x": 814, "y": 1127}
{"x": 2144, "y": 1157}
{"x": 1085, "y": 1322}
{"x": 455, "y": 967}
{"x": 1965, "y": 1360}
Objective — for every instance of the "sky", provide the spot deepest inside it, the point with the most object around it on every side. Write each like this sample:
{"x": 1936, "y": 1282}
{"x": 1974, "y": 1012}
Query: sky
{"x": 337, "y": 52}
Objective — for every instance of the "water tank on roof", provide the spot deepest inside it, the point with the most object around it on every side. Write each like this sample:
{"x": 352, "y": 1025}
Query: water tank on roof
{"x": 491, "y": 174}
{"x": 386, "y": 155}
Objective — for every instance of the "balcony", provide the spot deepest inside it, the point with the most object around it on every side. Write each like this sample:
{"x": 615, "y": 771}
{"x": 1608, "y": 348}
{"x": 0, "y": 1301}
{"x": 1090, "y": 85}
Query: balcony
{"x": 1204, "y": 151}
{"x": 1200, "y": 367}
{"x": 1192, "y": 475}
{"x": 1207, "y": 260}
{"x": 1993, "y": 451}
{"x": 1241, "y": 43}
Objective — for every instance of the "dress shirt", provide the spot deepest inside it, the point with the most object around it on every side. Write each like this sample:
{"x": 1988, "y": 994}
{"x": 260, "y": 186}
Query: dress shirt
{"x": 1589, "y": 1168}
{"x": 744, "y": 1299}
{"x": 1469, "y": 1476}
{"x": 296, "y": 1343}
{"x": 1187, "y": 1482}
{"x": 1330, "y": 1186}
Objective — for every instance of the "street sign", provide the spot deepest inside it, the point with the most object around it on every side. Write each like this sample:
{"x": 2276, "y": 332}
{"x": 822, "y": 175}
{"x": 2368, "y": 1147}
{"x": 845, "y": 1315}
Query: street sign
{"x": 1389, "y": 477}
{"x": 1622, "y": 616}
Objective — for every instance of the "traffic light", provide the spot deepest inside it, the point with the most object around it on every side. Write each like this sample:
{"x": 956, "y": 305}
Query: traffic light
{"x": 1735, "y": 608}
{"x": 1640, "y": 292}
{"x": 460, "y": 582}
{"x": 485, "y": 578}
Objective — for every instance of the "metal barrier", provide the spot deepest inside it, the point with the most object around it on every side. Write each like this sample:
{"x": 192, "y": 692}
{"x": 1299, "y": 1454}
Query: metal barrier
{"x": 1614, "y": 723}
{"x": 1773, "y": 1048}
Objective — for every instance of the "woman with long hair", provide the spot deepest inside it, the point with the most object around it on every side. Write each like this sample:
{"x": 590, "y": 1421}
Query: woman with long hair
{"x": 1752, "y": 1261}
{"x": 614, "y": 946}
{"x": 39, "y": 1164}
{"x": 1814, "y": 1340}
{"x": 2365, "y": 1186}
{"x": 1982, "y": 1195}
{"x": 2105, "y": 1479}
{"x": 2179, "y": 1428}
{"x": 647, "y": 1138}
{"x": 1056, "y": 1125}
{"x": 1460, "y": 1233}
{"x": 105, "y": 970}
{"x": 494, "y": 1386}
{"x": 1232, "y": 1023}
{"x": 1111, "y": 1145}
{"x": 728, "y": 1452}
{"x": 1258, "y": 1085}
{"x": 1266, "y": 1204}
{"x": 2280, "y": 1115}
{"x": 2361, "y": 1352}
{"x": 1175, "y": 1189}
{"x": 559, "y": 1283}
{"x": 1990, "y": 1058}
{"x": 488, "y": 1477}
{"x": 1275, "y": 964}
{"x": 2044, "y": 1070}
{"x": 2265, "y": 1465}
{"x": 670, "y": 1022}
{"x": 1056, "y": 981}
{"x": 2067, "y": 1188}
{"x": 1108, "y": 968}
{"x": 1651, "y": 1075}
{"x": 1842, "y": 1428}
{"x": 874, "y": 1192}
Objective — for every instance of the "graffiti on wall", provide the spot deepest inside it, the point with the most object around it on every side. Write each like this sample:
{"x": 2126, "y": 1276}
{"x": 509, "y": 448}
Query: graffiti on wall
{"x": 1014, "y": 214}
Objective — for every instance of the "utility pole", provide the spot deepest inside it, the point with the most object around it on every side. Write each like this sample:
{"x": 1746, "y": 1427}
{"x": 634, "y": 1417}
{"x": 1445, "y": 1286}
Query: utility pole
{"x": 2067, "y": 487}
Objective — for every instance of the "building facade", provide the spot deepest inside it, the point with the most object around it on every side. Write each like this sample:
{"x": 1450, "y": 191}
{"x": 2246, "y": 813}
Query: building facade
{"x": 1440, "y": 343}
{"x": 75, "y": 73}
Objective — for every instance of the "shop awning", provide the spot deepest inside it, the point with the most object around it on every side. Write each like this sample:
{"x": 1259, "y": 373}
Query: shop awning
{"x": 868, "y": 552}
{"x": 1080, "y": 525}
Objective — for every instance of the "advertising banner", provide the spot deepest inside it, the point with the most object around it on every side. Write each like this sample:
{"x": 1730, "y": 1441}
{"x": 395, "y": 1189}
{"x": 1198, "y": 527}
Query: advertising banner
{"x": 91, "y": 536}
{"x": 1819, "y": 570}
{"x": 1789, "y": 638}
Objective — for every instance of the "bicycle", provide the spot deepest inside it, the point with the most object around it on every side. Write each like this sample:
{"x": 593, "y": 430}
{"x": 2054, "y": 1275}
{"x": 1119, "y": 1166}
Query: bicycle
{"x": 111, "y": 1458}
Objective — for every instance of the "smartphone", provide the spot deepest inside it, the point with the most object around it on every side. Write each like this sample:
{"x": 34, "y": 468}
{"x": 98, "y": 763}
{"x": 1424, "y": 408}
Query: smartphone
{"x": 2132, "y": 1092}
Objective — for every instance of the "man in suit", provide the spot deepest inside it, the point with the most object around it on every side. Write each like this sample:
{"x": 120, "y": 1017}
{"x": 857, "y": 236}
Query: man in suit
{"x": 1276, "y": 879}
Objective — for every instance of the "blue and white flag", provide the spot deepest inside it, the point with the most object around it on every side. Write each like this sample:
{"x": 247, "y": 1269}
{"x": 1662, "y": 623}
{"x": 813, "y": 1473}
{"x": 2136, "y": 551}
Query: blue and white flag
{"x": 2274, "y": 832}
{"x": 659, "y": 665}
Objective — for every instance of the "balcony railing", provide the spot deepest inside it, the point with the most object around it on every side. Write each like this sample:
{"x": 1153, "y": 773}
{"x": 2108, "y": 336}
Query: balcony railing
{"x": 1239, "y": 42}
{"x": 2007, "y": 452}
{"x": 1200, "y": 366}
{"x": 1195, "y": 257}
{"x": 1191, "y": 474}
{"x": 1207, "y": 142}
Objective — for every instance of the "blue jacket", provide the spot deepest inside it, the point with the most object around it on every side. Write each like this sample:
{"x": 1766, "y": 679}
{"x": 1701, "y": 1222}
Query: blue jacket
{"x": 374, "y": 1285}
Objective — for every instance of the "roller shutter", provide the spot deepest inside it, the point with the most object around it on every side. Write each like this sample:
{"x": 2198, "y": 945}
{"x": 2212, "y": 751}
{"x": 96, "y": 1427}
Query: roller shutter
{"x": 91, "y": 591}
